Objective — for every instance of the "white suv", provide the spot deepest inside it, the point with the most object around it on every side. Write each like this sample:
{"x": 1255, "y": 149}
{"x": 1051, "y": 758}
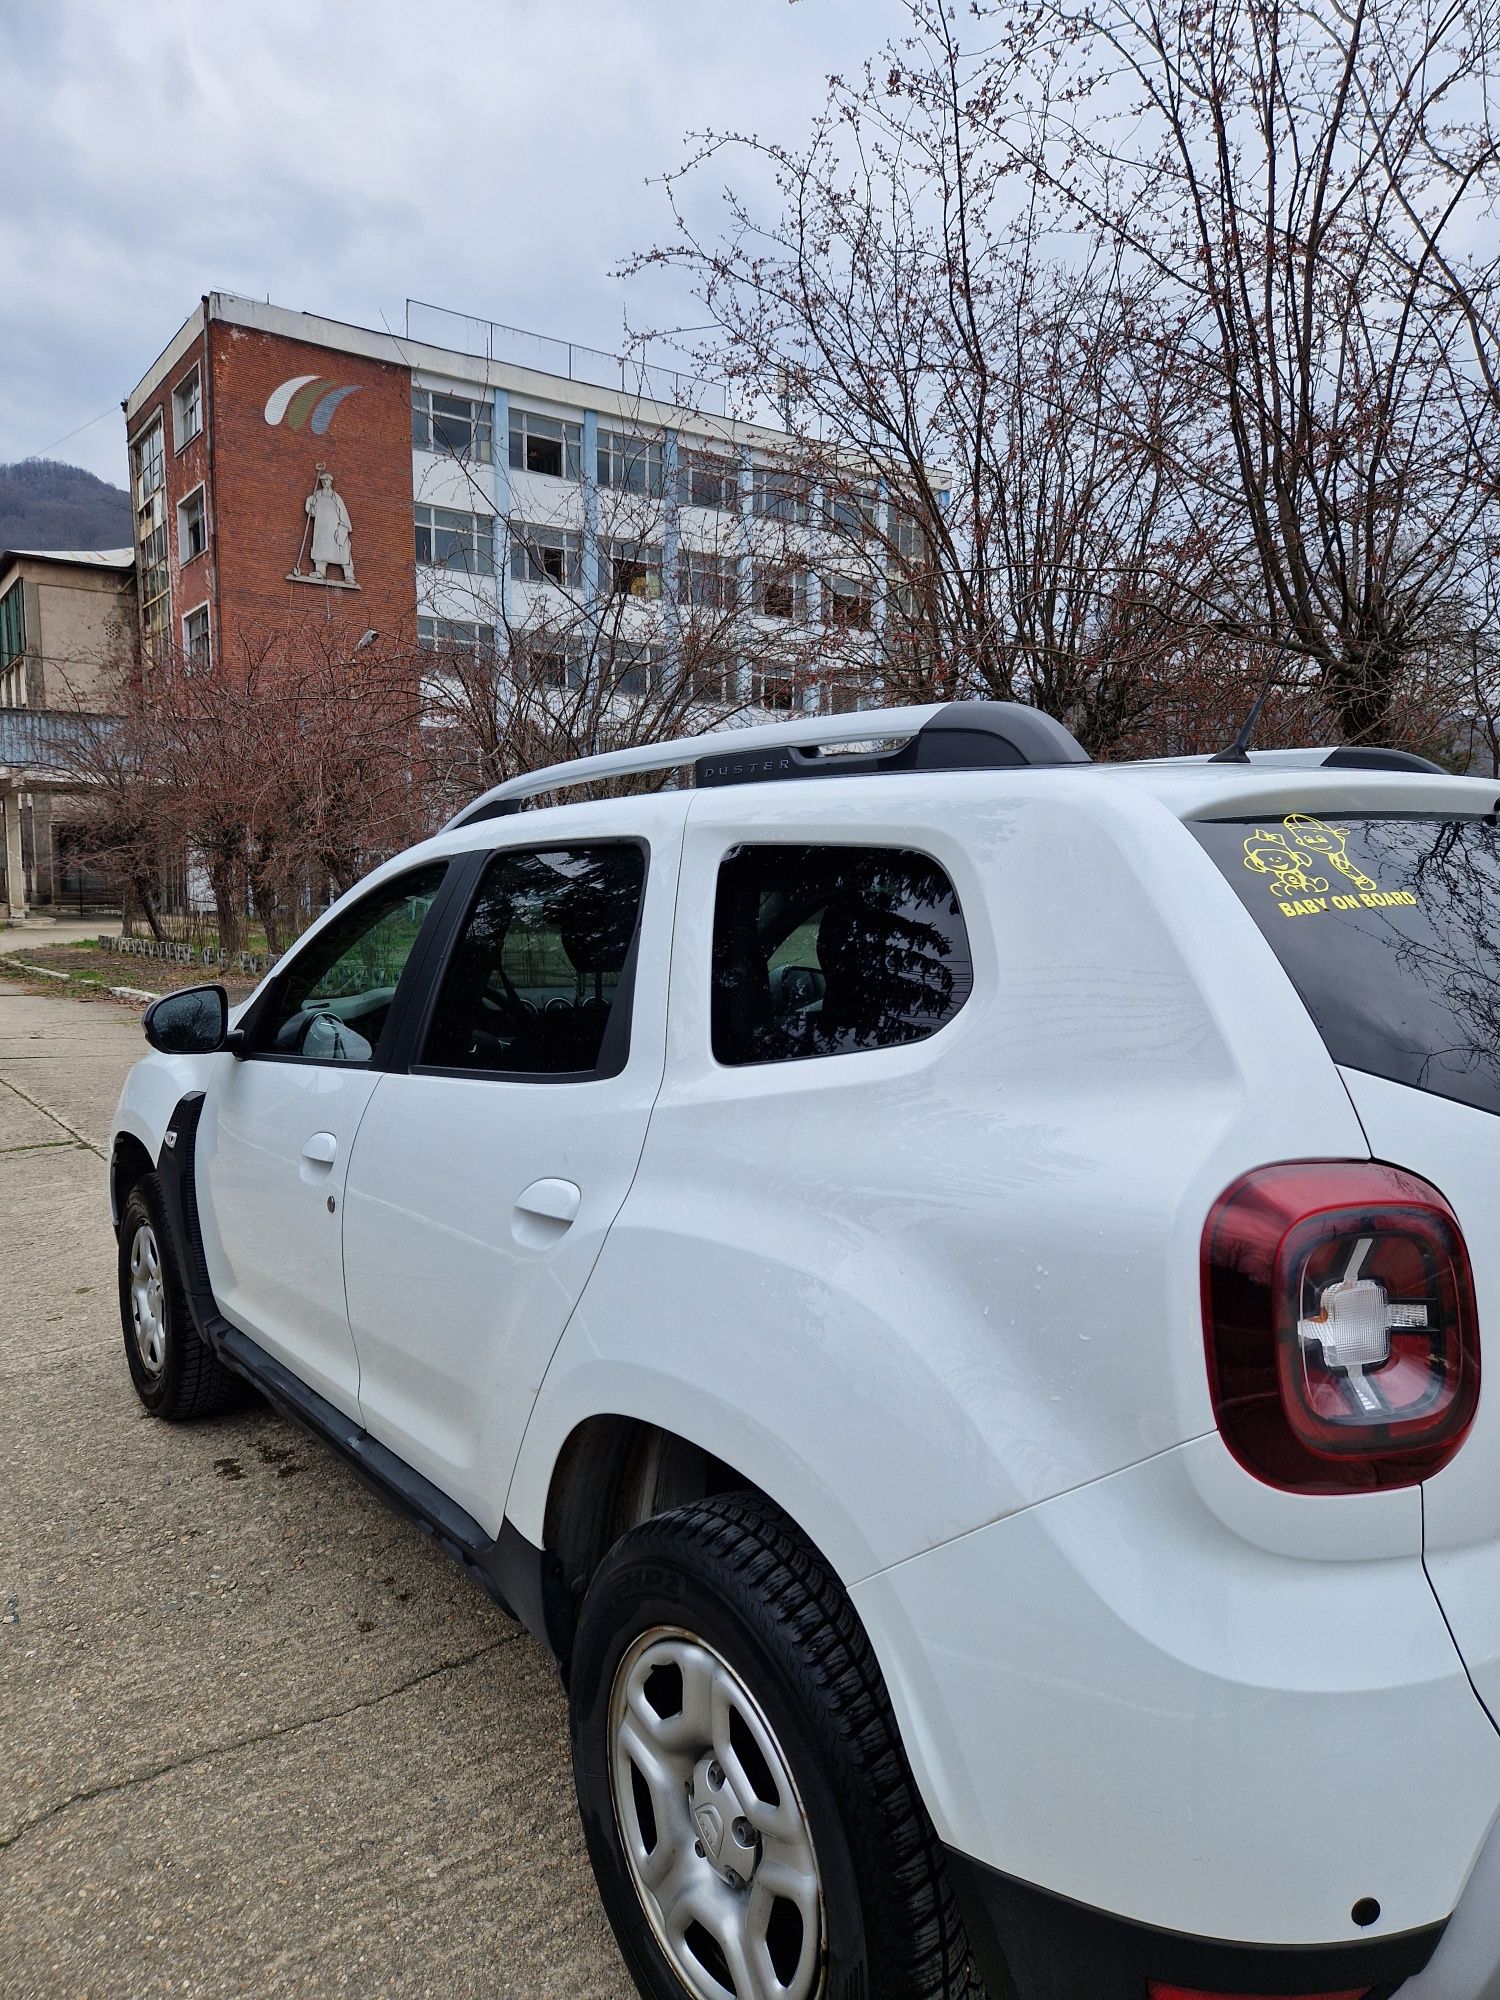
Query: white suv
{"x": 943, "y": 1285}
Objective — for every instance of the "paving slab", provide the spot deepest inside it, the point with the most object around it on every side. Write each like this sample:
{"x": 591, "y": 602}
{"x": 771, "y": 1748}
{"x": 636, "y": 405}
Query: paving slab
{"x": 260, "y": 1736}
{"x": 66, "y": 1058}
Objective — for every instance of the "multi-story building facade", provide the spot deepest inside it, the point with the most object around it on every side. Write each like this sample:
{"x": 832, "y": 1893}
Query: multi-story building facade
{"x": 67, "y": 627}
{"x": 478, "y": 494}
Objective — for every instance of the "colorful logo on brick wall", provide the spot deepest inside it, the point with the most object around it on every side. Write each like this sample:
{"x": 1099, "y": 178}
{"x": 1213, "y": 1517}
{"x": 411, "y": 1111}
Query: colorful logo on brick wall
{"x": 307, "y": 402}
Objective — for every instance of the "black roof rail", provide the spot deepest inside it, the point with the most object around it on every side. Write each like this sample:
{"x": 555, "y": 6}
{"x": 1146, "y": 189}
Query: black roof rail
{"x": 1371, "y": 757}
{"x": 963, "y": 736}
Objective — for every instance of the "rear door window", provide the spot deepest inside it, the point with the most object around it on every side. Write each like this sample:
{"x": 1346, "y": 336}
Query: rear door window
{"x": 1389, "y": 928}
{"x": 822, "y": 951}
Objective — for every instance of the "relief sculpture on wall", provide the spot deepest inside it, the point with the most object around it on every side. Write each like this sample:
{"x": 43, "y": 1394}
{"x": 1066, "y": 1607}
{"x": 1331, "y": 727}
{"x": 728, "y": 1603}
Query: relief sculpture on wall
{"x": 330, "y": 535}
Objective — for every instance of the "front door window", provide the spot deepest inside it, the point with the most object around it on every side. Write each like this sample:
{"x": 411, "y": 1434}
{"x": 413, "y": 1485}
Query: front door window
{"x": 336, "y": 995}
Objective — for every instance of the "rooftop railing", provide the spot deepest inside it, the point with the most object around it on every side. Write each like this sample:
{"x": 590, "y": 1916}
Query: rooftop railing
{"x": 490, "y": 340}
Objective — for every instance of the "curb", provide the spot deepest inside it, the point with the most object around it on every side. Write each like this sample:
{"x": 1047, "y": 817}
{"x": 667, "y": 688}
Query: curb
{"x": 135, "y": 993}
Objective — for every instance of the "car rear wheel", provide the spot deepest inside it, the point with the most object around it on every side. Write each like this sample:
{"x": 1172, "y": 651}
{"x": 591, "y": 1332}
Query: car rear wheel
{"x": 175, "y": 1375}
{"x": 752, "y": 1819}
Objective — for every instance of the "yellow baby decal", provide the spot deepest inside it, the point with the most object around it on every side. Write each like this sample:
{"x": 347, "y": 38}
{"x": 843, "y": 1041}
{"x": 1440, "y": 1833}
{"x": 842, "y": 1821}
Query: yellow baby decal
{"x": 1330, "y": 843}
{"x": 1292, "y": 856}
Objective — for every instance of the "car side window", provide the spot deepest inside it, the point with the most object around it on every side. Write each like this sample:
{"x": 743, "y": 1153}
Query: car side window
{"x": 534, "y": 984}
{"x": 334, "y": 1001}
{"x": 823, "y": 951}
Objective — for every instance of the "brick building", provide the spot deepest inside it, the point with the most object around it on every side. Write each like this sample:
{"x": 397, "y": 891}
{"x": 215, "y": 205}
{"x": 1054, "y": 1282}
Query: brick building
{"x": 459, "y": 484}
{"x": 228, "y": 432}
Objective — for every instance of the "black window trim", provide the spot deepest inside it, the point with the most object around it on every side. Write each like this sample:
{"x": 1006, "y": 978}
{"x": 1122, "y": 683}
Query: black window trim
{"x": 614, "y": 1050}
{"x": 409, "y": 986}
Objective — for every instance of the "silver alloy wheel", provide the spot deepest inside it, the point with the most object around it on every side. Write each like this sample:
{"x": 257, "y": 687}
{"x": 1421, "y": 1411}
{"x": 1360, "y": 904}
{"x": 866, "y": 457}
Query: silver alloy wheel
{"x": 713, "y": 1827}
{"x": 148, "y": 1305}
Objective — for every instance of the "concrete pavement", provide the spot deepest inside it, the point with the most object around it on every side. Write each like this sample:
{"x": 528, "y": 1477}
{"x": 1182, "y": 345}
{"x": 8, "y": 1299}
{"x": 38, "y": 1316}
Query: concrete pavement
{"x": 259, "y": 1737}
{"x": 37, "y": 932}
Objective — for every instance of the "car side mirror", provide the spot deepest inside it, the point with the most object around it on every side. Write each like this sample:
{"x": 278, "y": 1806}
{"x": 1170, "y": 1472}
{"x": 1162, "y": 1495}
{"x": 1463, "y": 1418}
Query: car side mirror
{"x": 194, "y": 1022}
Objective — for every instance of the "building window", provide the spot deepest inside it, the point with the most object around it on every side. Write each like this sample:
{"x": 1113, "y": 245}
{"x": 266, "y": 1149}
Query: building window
{"x": 851, "y": 511}
{"x": 636, "y": 671}
{"x": 780, "y": 591}
{"x": 552, "y": 663}
{"x": 777, "y": 688}
{"x": 150, "y": 464}
{"x": 848, "y": 697}
{"x": 908, "y": 538}
{"x": 467, "y": 633}
{"x": 192, "y": 527}
{"x": 12, "y": 624}
{"x": 546, "y": 445}
{"x": 632, "y": 569}
{"x": 825, "y": 951}
{"x": 449, "y": 539}
{"x": 711, "y": 682}
{"x": 708, "y": 479}
{"x": 630, "y": 464}
{"x": 777, "y": 495}
{"x": 711, "y": 582}
{"x": 148, "y": 478}
{"x": 187, "y": 409}
{"x": 847, "y": 604}
{"x": 195, "y": 640}
{"x": 451, "y": 424}
{"x": 546, "y": 555}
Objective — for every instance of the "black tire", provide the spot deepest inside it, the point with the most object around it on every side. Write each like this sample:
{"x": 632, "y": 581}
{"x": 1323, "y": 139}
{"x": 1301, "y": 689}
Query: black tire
{"x": 189, "y": 1380}
{"x": 735, "y": 1574}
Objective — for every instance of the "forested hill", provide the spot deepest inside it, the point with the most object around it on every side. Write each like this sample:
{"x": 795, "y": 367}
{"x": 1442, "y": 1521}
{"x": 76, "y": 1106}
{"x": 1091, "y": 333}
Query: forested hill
{"x": 47, "y": 505}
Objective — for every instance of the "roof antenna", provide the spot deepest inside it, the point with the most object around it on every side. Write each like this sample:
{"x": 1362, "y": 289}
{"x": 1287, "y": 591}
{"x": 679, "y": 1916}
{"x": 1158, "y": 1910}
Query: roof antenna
{"x": 1238, "y": 752}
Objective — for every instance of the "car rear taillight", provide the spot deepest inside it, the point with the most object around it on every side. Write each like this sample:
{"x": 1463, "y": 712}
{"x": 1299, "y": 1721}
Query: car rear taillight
{"x": 1340, "y": 1327}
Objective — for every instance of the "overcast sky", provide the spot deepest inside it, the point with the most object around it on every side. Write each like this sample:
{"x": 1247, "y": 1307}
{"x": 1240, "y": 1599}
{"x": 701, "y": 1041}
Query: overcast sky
{"x": 342, "y": 155}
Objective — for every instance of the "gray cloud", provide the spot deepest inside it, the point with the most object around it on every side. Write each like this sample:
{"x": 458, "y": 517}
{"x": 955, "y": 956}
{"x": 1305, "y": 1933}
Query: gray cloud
{"x": 490, "y": 155}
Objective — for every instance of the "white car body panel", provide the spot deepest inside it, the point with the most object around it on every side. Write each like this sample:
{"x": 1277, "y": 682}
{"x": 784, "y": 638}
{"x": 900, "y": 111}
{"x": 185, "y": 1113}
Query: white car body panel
{"x": 1457, "y": 1148}
{"x": 1111, "y": 1695}
{"x": 456, "y": 1298}
{"x": 273, "y": 1244}
{"x": 956, "y": 1244}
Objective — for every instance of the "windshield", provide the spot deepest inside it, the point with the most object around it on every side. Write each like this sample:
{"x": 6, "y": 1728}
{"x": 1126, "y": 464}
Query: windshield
{"x": 1389, "y": 928}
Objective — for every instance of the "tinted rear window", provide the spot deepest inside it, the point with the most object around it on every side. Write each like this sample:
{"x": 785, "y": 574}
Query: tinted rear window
{"x": 824, "y": 951}
{"x": 1390, "y": 930}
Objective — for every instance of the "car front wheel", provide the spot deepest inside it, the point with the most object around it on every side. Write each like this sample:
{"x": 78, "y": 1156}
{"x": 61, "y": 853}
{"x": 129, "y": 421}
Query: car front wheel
{"x": 174, "y": 1374}
{"x": 752, "y": 1819}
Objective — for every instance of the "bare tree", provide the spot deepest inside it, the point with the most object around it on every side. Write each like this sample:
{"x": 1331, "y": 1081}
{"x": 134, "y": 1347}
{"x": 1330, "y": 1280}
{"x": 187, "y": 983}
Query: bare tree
{"x": 118, "y": 813}
{"x": 278, "y": 776}
{"x": 992, "y": 428}
{"x": 1297, "y": 177}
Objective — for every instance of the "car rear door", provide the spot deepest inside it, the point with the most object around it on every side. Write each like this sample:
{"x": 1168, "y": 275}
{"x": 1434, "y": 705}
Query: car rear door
{"x": 491, "y": 1165}
{"x": 276, "y": 1129}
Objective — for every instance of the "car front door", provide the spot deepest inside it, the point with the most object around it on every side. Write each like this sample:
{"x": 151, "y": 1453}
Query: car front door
{"x": 487, "y": 1175}
{"x": 277, "y": 1127}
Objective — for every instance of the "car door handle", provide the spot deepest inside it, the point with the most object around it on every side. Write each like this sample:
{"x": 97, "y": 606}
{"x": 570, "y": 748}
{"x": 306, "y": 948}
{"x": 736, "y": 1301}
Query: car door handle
{"x": 552, "y": 1201}
{"x": 322, "y": 1149}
